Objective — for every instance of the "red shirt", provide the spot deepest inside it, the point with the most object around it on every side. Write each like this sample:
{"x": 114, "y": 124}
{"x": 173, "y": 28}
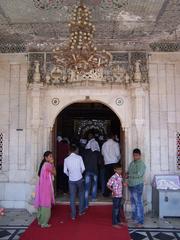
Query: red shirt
{"x": 62, "y": 152}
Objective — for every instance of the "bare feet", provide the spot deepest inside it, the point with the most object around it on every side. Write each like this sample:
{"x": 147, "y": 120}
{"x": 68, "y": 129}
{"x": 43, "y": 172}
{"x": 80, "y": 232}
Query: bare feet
{"x": 124, "y": 223}
{"x": 131, "y": 220}
{"x": 117, "y": 226}
{"x": 82, "y": 213}
{"x": 139, "y": 225}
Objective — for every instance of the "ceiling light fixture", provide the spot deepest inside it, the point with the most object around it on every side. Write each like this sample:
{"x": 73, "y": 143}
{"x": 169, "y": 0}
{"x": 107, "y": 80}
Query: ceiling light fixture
{"x": 81, "y": 55}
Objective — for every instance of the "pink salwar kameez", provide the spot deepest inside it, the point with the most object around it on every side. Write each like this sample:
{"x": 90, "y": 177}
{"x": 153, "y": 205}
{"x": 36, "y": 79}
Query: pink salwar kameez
{"x": 44, "y": 194}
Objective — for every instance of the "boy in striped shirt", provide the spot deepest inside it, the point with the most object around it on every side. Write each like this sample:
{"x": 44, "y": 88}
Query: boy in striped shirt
{"x": 115, "y": 185}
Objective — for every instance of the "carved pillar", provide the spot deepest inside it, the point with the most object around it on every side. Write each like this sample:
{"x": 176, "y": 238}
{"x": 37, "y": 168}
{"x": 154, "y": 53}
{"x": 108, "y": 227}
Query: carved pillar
{"x": 35, "y": 125}
{"x": 35, "y": 88}
{"x": 34, "y": 148}
{"x": 138, "y": 92}
{"x": 34, "y": 120}
{"x": 47, "y": 133}
{"x": 36, "y": 75}
{"x": 127, "y": 161}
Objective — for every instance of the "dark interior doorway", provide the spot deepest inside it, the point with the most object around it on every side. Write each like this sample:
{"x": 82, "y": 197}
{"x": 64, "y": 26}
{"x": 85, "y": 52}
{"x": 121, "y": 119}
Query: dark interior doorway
{"x": 78, "y": 119}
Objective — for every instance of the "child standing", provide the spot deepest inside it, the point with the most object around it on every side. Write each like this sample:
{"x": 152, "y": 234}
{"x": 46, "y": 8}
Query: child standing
{"x": 115, "y": 185}
{"x": 136, "y": 172}
{"x": 44, "y": 195}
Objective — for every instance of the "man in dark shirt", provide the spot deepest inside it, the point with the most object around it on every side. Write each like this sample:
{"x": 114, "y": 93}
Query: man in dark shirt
{"x": 91, "y": 161}
{"x": 62, "y": 153}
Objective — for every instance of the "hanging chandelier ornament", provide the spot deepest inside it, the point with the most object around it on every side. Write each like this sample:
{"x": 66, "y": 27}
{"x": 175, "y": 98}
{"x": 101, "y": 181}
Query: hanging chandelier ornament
{"x": 81, "y": 55}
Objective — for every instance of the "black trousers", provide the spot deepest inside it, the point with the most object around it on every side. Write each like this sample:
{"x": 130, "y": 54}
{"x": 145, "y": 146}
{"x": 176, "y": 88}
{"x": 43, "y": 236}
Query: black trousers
{"x": 62, "y": 179}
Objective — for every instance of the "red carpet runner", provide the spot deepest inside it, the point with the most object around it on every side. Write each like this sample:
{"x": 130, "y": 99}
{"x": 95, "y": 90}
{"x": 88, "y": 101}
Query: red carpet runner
{"x": 95, "y": 225}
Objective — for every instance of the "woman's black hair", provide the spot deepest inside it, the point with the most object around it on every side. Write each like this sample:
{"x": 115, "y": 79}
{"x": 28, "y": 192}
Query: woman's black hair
{"x": 46, "y": 154}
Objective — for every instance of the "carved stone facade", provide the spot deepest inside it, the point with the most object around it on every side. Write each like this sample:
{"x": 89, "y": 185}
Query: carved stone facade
{"x": 142, "y": 92}
{"x": 125, "y": 68}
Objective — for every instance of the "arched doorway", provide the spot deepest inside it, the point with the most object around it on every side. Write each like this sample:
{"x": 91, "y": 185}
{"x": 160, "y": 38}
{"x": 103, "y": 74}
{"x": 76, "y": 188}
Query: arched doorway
{"x": 78, "y": 119}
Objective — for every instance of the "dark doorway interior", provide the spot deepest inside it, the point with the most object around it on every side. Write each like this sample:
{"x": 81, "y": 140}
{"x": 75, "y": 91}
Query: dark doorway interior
{"x": 78, "y": 119}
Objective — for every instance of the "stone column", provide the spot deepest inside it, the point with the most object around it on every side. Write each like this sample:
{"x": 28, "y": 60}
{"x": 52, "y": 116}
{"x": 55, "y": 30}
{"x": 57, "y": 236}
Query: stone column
{"x": 35, "y": 123}
{"x": 127, "y": 136}
{"x": 35, "y": 153}
{"x": 36, "y": 138}
{"x": 140, "y": 123}
{"x": 47, "y": 132}
{"x": 138, "y": 93}
{"x": 35, "y": 113}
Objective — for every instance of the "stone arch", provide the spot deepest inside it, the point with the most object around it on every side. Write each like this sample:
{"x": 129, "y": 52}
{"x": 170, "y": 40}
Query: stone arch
{"x": 65, "y": 105}
{"x": 123, "y": 138}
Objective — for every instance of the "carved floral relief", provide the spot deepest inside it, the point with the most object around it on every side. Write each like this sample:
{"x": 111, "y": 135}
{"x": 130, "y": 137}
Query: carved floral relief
{"x": 123, "y": 70}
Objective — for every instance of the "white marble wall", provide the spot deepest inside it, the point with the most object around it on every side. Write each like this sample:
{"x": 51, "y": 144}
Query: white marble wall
{"x": 14, "y": 176}
{"x": 164, "y": 72}
{"x": 164, "y": 77}
{"x": 149, "y": 116}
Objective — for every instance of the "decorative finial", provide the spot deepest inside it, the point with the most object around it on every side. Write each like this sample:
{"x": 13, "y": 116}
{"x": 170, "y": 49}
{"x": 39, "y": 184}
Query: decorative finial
{"x": 137, "y": 71}
{"x": 36, "y": 75}
{"x": 81, "y": 2}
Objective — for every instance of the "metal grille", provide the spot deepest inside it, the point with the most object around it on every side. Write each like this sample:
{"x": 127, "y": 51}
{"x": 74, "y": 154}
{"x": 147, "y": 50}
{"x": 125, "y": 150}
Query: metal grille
{"x": 58, "y": 4}
{"x": 165, "y": 46}
{"x": 130, "y": 25}
{"x": 178, "y": 149}
{"x": 1, "y": 150}
{"x": 12, "y": 47}
{"x": 11, "y": 44}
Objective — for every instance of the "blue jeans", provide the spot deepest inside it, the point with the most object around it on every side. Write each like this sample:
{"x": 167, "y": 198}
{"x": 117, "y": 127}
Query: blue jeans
{"x": 116, "y": 210}
{"x": 75, "y": 186}
{"x": 102, "y": 180}
{"x": 90, "y": 179}
{"x": 136, "y": 203}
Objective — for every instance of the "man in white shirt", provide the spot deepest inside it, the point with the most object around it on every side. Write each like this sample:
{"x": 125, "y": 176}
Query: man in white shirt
{"x": 111, "y": 154}
{"x": 92, "y": 143}
{"x": 73, "y": 168}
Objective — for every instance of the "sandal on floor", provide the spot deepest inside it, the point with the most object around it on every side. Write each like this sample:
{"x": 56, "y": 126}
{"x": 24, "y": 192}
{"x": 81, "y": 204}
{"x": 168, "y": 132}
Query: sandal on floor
{"x": 46, "y": 225}
{"x": 117, "y": 226}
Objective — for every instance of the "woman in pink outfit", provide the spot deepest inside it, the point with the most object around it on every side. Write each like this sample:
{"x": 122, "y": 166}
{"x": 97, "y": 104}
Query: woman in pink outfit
{"x": 44, "y": 194}
{"x": 1, "y": 211}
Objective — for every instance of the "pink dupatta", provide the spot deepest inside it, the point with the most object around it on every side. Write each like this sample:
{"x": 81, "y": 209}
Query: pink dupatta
{"x": 44, "y": 193}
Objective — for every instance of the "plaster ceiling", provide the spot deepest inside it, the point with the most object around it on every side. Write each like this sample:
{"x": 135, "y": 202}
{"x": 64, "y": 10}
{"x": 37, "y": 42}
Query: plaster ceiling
{"x": 132, "y": 27}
